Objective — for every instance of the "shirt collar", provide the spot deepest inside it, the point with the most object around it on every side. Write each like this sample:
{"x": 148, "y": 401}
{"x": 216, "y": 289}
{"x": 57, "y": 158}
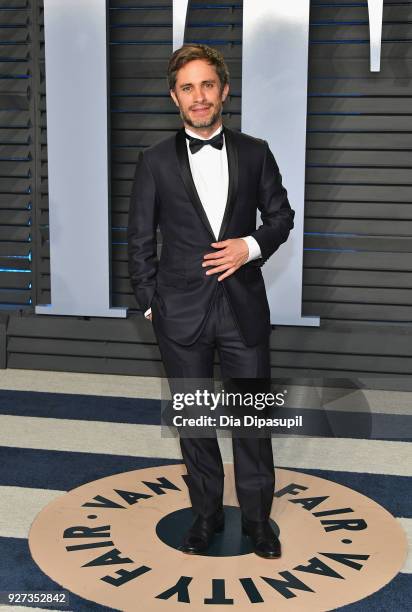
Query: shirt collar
{"x": 190, "y": 133}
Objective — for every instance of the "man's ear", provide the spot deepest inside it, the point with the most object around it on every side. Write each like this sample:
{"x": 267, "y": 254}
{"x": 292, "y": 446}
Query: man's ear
{"x": 225, "y": 92}
{"x": 174, "y": 97}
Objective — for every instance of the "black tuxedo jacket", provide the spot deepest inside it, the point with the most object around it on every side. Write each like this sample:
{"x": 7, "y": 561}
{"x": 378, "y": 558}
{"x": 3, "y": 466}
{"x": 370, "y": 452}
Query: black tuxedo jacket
{"x": 164, "y": 195}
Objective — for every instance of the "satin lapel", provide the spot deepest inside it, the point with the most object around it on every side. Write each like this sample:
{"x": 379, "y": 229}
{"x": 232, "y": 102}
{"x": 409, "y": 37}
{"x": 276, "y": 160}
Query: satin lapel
{"x": 183, "y": 159}
{"x": 233, "y": 166}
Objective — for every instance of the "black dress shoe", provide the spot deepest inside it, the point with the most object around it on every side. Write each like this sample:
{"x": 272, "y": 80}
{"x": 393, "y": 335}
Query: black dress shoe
{"x": 265, "y": 542}
{"x": 199, "y": 537}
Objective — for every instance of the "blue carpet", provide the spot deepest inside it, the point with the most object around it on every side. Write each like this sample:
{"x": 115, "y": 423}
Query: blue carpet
{"x": 61, "y": 470}
{"x": 80, "y": 407}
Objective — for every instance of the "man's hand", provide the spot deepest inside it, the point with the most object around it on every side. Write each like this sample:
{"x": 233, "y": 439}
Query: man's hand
{"x": 231, "y": 254}
{"x": 149, "y": 316}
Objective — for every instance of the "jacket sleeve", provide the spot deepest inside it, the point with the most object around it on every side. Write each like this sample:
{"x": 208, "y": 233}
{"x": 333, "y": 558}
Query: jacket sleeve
{"x": 277, "y": 215}
{"x": 141, "y": 234}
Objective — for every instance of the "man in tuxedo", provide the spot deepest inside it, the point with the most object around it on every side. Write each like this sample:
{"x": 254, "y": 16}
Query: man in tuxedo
{"x": 202, "y": 187}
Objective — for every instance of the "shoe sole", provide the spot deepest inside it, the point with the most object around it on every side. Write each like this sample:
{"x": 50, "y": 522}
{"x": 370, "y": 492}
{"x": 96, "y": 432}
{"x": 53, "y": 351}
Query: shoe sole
{"x": 267, "y": 556}
{"x": 192, "y": 552}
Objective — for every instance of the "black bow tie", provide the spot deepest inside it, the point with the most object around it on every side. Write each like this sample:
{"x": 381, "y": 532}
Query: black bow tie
{"x": 196, "y": 144}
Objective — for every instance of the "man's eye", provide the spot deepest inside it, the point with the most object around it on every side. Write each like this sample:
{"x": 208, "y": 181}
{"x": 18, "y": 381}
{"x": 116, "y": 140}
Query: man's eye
{"x": 186, "y": 88}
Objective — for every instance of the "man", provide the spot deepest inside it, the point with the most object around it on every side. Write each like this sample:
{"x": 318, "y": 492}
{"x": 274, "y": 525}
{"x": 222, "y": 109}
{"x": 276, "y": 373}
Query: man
{"x": 203, "y": 187}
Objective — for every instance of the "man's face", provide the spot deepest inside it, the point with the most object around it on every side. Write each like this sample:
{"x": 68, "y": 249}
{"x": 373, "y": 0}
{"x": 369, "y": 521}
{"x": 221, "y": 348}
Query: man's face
{"x": 198, "y": 94}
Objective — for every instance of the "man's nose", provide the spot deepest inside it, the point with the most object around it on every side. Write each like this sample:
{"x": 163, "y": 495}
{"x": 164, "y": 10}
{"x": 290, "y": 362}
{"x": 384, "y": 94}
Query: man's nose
{"x": 198, "y": 94}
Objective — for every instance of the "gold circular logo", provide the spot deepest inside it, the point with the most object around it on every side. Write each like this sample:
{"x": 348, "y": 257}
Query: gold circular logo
{"x": 115, "y": 541}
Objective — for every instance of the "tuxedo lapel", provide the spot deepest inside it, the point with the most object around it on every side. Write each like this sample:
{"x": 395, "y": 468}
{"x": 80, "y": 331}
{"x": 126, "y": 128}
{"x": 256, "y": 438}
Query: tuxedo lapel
{"x": 183, "y": 159}
{"x": 232, "y": 160}
{"x": 233, "y": 166}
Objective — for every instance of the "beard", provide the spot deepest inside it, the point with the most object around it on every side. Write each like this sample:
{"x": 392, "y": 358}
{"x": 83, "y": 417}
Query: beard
{"x": 203, "y": 123}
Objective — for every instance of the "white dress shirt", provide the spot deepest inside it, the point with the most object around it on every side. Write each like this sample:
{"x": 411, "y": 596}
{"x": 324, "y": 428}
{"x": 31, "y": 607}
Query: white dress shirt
{"x": 209, "y": 168}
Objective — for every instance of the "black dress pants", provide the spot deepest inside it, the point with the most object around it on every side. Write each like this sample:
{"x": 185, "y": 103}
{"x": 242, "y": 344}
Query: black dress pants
{"x": 253, "y": 457}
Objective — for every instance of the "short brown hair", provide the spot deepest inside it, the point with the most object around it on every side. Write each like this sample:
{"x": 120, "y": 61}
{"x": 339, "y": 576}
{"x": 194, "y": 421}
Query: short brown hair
{"x": 191, "y": 52}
